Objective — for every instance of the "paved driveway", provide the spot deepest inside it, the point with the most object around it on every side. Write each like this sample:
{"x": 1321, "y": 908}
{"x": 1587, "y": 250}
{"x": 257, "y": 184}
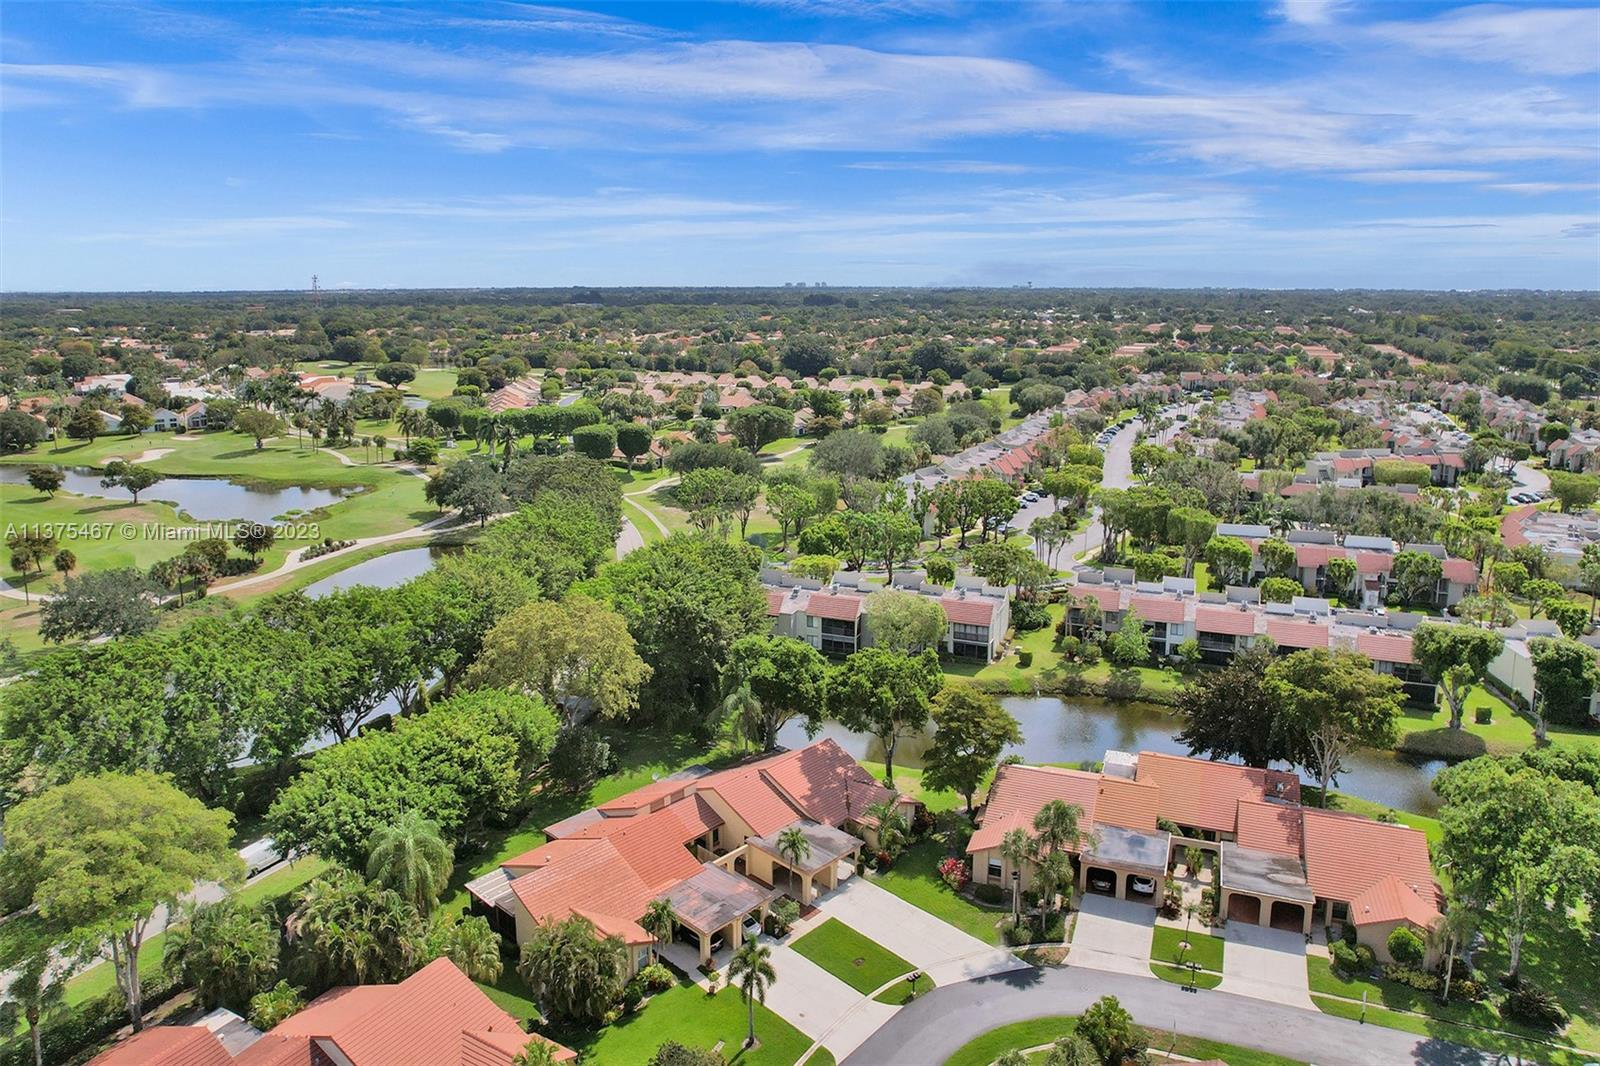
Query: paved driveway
{"x": 1113, "y": 934}
{"x": 935, "y": 947}
{"x": 820, "y": 1005}
{"x": 1266, "y": 964}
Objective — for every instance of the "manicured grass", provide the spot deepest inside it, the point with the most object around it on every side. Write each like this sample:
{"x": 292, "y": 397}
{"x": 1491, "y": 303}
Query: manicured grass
{"x": 900, "y": 992}
{"x": 92, "y": 528}
{"x": 984, "y": 1050}
{"x": 689, "y": 1016}
{"x": 512, "y": 995}
{"x": 1507, "y": 732}
{"x": 1460, "y": 1034}
{"x": 851, "y": 957}
{"x": 432, "y": 384}
{"x": 1203, "y": 948}
{"x": 915, "y": 879}
{"x": 1180, "y": 975}
{"x": 1563, "y": 960}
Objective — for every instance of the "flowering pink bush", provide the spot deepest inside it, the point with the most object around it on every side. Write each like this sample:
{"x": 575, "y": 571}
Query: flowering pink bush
{"x": 954, "y": 873}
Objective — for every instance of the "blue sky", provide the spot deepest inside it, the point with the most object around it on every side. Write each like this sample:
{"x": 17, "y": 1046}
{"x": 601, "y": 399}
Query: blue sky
{"x": 925, "y": 142}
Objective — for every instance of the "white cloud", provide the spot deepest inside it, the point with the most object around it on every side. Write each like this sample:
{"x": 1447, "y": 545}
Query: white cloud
{"x": 1310, "y": 12}
{"x": 946, "y": 166}
{"x": 1560, "y": 41}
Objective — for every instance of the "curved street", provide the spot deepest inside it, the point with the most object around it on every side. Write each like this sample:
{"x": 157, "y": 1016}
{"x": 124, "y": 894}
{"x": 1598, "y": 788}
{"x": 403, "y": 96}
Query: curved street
{"x": 933, "y": 1027}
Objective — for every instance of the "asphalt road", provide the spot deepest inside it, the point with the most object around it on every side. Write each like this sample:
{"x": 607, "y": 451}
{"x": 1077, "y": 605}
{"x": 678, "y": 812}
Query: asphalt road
{"x": 931, "y": 1029}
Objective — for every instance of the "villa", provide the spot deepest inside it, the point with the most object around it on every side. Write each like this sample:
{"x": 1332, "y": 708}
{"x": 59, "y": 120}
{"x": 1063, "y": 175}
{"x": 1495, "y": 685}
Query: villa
{"x": 436, "y": 1016}
{"x": 708, "y": 841}
{"x": 1280, "y": 864}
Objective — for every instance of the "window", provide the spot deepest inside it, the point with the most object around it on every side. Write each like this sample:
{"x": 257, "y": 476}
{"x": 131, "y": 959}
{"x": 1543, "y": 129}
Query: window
{"x": 994, "y": 870}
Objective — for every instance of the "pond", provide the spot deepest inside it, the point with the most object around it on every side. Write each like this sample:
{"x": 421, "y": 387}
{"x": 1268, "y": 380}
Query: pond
{"x": 1082, "y": 729}
{"x": 384, "y": 572}
{"x": 204, "y": 499}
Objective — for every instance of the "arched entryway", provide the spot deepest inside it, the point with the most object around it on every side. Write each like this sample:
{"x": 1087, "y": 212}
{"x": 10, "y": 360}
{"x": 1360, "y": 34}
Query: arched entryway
{"x": 1244, "y": 908}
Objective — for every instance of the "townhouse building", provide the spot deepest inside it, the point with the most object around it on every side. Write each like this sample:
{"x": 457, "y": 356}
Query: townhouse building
{"x": 833, "y": 617}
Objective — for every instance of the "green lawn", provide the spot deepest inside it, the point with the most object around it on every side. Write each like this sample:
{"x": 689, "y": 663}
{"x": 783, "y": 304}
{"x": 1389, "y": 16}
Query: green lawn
{"x": 1203, "y": 948}
{"x": 432, "y": 384}
{"x": 1181, "y": 975}
{"x": 1460, "y": 1034}
{"x": 689, "y": 1016}
{"x": 984, "y": 1050}
{"x": 900, "y": 992}
{"x": 851, "y": 957}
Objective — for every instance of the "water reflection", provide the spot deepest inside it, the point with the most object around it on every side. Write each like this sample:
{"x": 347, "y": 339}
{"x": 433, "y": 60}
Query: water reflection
{"x": 204, "y": 499}
{"x": 384, "y": 572}
{"x": 1080, "y": 730}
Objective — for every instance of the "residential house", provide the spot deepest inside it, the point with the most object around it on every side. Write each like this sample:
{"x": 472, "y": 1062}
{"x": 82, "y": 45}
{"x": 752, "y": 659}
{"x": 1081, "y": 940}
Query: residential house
{"x": 1279, "y": 864}
{"x": 193, "y": 416}
{"x": 708, "y": 841}
{"x": 165, "y": 420}
{"x": 833, "y": 618}
{"x": 435, "y": 1017}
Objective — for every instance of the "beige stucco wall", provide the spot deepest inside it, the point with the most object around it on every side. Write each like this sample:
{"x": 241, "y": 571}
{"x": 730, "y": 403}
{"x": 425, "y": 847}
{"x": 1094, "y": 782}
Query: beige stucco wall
{"x": 1375, "y": 935}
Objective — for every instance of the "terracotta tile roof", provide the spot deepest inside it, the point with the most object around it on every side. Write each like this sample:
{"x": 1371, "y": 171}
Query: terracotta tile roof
{"x": 167, "y": 1045}
{"x": 973, "y": 611}
{"x": 1374, "y": 562}
{"x": 275, "y": 1050}
{"x": 1019, "y": 792}
{"x": 1312, "y": 556}
{"x": 1460, "y": 571}
{"x": 1345, "y": 465}
{"x": 499, "y": 1048}
{"x": 825, "y": 783}
{"x": 1205, "y": 794}
{"x": 1385, "y": 647}
{"x": 1293, "y": 633}
{"x": 1297, "y": 488}
{"x": 752, "y": 798}
{"x": 1391, "y": 899}
{"x": 1274, "y": 827}
{"x": 1157, "y": 608}
{"x": 1129, "y": 804}
{"x": 1222, "y": 620}
{"x": 645, "y": 795}
{"x": 831, "y": 605}
{"x": 1511, "y": 534}
{"x": 1347, "y": 856}
{"x": 775, "y": 598}
{"x": 1109, "y": 597}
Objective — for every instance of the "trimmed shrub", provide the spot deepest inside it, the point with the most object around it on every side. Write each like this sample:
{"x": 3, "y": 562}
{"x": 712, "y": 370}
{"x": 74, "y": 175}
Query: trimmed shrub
{"x": 953, "y": 872}
{"x": 1405, "y": 946}
{"x": 1411, "y": 977}
{"x": 1024, "y": 659}
{"x": 987, "y": 893}
{"x": 656, "y": 978}
{"x": 1351, "y": 961}
{"x": 1467, "y": 988}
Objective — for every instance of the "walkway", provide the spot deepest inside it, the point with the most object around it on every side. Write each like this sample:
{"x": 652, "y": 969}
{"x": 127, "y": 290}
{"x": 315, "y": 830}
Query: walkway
{"x": 929, "y": 1030}
{"x": 820, "y": 1005}
{"x": 935, "y": 947}
{"x": 1113, "y": 935}
{"x": 1266, "y": 964}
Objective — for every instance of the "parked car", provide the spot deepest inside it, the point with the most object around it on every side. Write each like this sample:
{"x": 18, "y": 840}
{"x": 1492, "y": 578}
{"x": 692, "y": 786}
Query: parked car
{"x": 752, "y": 929}
{"x": 1143, "y": 885}
{"x": 1030, "y": 497}
{"x": 1102, "y": 883}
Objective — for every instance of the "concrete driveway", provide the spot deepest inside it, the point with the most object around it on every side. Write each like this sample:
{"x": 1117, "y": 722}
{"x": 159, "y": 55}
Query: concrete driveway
{"x": 1113, "y": 934}
{"x": 935, "y": 947}
{"x": 1266, "y": 964}
{"x": 820, "y": 1005}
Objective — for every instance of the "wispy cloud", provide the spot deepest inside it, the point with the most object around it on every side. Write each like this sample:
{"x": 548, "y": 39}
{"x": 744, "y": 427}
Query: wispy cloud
{"x": 1547, "y": 40}
{"x": 945, "y": 166}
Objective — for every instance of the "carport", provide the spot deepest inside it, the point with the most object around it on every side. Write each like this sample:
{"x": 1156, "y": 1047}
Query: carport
{"x": 1265, "y": 888}
{"x": 817, "y": 869}
{"x": 715, "y": 902}
{"x": 1121, "y": 855}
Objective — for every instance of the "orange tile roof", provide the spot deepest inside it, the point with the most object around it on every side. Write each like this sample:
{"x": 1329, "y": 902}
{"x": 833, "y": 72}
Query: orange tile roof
{"x": 1129, "y": 804}
{"x": 1205, "y": 794}
{"x": 275, "y": 1050}
{"x": 1347, "y": 855}
{"x": 1225, "y": 621}
{"x": 974, "y": 611}
{"x": 825, "y": 782}
{"x": 1109, "y": 597}
{"x": 167, "y": 1045}
{"x": 1274, "y": 827}
{"x": 1385, "y": 647}
{"x": 1292, "y": 633}
{"x": 1461, "y": 571}
{"x": 846, "y": 608}
{"x": 1157, "y": 608}
{"x": 1391, "y": 899}
{"x": 752, "y": 798}
{"x": 1020, "y": 792}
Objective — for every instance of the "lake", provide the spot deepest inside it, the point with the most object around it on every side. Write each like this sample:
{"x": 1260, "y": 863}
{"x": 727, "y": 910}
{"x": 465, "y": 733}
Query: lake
{"x": 1082, "y": 729}
{"x": 204, "y": 499}
{"x": 384, "y": 572}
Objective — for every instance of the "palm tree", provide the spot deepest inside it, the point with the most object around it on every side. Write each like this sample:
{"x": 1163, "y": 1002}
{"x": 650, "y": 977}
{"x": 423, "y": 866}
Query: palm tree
{"x": 752, "y": 969}
{"x": 1052, "y": 874}
{"x": 381, "y": 442}
{"x": 475, "y": 949}
{"x": 744, "y": 707}
{"x": 793, "y": 846}
{"x": 1012, "y": 1058}
{"x": 412, "y": 858}
{"x": 536, "y": 1052}
{"x": 1056, "y": 826}
{"x": 1460, "y": 922}
{"x": 659, "y": 920}
{"x": 892, "y": 827}
{"x": 1072, "y": 1050}
{"x": 1015, "y": 848}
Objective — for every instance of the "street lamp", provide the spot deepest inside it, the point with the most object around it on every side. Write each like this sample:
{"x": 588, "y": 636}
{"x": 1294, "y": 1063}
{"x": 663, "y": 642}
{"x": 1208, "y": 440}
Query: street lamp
{"x": 1016, "y": 889}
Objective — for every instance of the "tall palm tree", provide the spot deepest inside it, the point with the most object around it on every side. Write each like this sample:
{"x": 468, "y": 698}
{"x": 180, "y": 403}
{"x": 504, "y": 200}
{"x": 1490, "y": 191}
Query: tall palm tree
{"x": 793, "y": 846}
{"x": 412, "y": 858}
{"x": 1015, "y": 848}
{"x": 1052, "y": 875}
{"x": 1460, "y": 922}
{"x": 744, "y": 707}
{"x": 475, "y": 949}
{"x": 751, "y": 969}
{"x": 1056, "y": 826}
{"x": 659, "y": 920}
{"x": 892, "y": 827}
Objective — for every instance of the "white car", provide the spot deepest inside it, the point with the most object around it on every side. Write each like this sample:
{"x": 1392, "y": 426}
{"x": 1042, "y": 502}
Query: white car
{"x": 1030, "y": 497}
{"x": 1143, "y": 885}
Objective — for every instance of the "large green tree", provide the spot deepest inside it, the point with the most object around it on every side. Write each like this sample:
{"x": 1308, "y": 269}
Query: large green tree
{"x": 1232, "y": 712}
{"x": 1330, "y": 704}
{"x": 972, "y": 729}
{"x": 574, "y": 649}
{"x": 885, "y": 694}
{"x": 904, "y": 622}
{"x": 1564, "y": 675}
{"x": 1457, "y": 657}
{"x": 351, "y": 931}
{"x": 776, "y": 680}
{"x": 99, "y": 854}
